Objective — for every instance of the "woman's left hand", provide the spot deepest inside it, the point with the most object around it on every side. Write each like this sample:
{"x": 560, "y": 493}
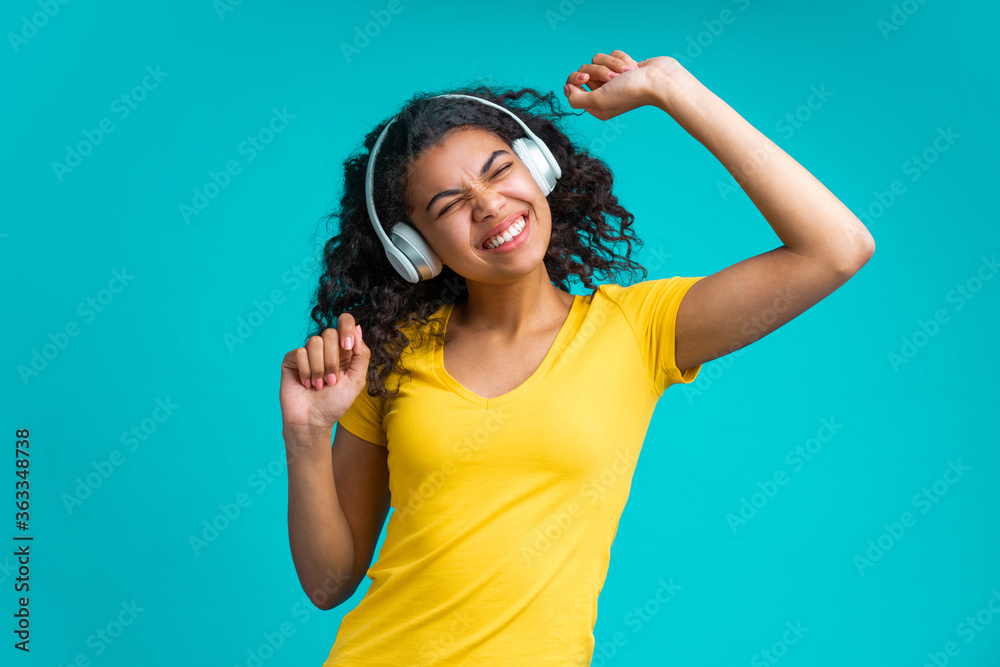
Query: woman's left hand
{"x": 617, "y": 83}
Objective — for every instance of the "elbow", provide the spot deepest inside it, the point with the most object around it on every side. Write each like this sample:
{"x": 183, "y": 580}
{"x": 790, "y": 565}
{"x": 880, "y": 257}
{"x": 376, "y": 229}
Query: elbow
{"x": 325, "y": 602}
{"x": 865, "y": 249}
{"x": 848, "y": 265}
{"x": 847, "y": 256}
{"x": 335, "y": 590}
{"x": 866, "y": 252}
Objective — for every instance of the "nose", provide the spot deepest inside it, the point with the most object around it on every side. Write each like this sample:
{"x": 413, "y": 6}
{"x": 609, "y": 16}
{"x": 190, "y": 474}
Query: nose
{"x": 486, "y": 203}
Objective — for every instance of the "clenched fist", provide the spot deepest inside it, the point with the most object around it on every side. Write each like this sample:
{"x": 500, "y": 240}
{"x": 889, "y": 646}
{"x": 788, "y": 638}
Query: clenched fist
{"x": 320, "y": 381}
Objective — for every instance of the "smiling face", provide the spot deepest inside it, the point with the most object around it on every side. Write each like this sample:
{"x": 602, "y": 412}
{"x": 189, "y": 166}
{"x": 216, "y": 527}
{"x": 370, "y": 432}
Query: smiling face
{"x": 464, "y": 191}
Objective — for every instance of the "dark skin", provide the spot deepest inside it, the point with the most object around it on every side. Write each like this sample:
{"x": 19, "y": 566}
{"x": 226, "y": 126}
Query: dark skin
{"x": 512, "y": 309}
{"x": 513, "y": 305}
{"x": 510, "y": 294}
{"x": 500, "y": 335}
{"x": 824, "y": 243}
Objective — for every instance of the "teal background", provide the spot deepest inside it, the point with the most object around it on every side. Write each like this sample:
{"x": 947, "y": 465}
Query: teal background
{"x": 710, "y": 445}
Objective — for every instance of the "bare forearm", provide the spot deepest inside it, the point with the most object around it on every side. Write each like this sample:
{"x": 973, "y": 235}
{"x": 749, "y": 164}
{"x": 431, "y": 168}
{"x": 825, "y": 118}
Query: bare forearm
{"x": 805, "y": 215}
{"x": 320, "y": 537}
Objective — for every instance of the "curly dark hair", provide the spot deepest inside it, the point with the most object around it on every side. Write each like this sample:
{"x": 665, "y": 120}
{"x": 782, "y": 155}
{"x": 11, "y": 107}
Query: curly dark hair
{"x": 587, "y": 221}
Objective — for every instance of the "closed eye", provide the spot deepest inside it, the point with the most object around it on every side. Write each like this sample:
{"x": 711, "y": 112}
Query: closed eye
{"x": 495, "y": 173}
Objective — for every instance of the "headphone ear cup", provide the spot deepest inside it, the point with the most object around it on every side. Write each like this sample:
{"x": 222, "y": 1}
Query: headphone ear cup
{"x": 537, "y": 164}
{"x": 423, "y": 264}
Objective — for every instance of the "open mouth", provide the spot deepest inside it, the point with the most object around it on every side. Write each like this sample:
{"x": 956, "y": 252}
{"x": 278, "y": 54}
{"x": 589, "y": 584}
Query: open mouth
{"x": 509, "y": 235}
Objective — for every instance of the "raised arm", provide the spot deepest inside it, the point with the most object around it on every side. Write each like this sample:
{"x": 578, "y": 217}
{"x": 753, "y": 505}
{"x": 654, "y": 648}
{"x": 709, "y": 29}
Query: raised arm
{"x": 824, "y": 243}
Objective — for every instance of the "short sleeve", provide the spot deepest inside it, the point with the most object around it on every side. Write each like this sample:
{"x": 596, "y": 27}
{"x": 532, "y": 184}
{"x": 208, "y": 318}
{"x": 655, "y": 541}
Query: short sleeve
{"x": 651, "y": 310}
{"x": 364, "y": 418}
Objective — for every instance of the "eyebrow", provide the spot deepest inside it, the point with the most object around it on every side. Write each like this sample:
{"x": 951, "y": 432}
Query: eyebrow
{"x": 486, "y": 167}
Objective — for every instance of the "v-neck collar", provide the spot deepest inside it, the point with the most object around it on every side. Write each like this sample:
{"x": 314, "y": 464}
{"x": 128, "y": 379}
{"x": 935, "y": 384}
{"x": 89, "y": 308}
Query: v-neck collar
{"x": 444, "y": 376}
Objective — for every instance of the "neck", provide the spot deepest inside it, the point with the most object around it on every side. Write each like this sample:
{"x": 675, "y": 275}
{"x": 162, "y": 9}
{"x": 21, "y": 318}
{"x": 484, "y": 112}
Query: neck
{"x": 512, "y": 309}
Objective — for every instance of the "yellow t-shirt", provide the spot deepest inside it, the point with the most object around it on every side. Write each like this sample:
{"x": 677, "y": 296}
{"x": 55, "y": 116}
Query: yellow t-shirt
{"x": 504, "y": 509}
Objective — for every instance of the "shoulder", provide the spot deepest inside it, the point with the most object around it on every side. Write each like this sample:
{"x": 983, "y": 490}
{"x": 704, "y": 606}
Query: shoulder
{"x": 649, "y": 299}
{"x": 646, "y": 288}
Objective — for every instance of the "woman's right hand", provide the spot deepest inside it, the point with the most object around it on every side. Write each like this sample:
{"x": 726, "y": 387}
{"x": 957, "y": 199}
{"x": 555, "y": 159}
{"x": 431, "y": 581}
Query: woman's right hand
{"x": 320, "y": 381}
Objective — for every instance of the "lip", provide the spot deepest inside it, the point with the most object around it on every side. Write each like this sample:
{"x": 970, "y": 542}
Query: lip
{"x": 516, "y": 242}
{"x": 507, "y": 222}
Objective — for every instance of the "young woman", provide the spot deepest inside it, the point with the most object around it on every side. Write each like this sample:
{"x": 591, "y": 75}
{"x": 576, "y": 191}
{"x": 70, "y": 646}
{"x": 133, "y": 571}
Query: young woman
{"x": 500, "y": 415}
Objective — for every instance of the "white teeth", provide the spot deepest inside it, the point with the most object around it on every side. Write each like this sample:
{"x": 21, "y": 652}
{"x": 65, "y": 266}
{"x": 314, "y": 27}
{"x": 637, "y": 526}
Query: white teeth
{"x": 507, "y": 234}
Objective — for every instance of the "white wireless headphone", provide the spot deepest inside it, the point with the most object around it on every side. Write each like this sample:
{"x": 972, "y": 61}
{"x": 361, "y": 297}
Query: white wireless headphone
{"x": 407, "y": 251}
